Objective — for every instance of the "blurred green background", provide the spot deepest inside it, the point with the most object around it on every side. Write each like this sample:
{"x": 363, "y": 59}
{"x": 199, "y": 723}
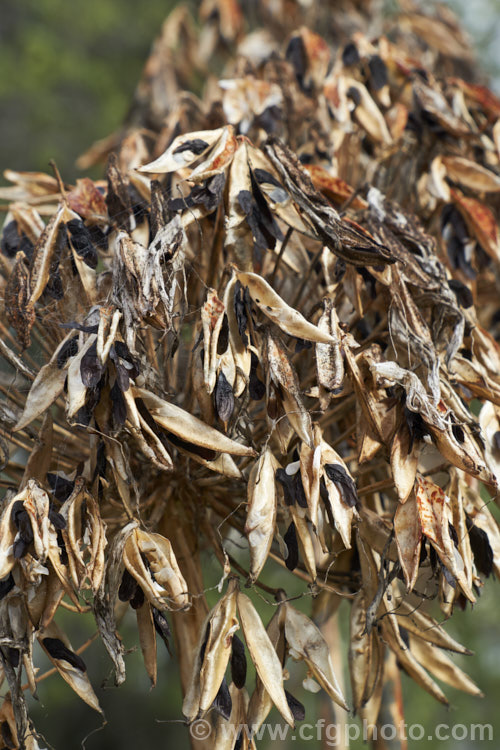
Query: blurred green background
{"x": 67, "y": 74}
{"x": 68, "y": 70}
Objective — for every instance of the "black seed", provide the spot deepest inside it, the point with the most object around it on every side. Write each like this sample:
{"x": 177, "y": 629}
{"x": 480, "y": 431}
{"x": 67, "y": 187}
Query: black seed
{"x": 288, "y": 485}
{"x": 263, "y": 176}
{"x": 223, "y": 702}
{"x": 453, "y": 534}
{"x": 208, "y": 194}
{"x": 297, "y": 57}
{"x": 450, "y": 578}
{"x": 496, "y": 441}
{"x": 416, "y": 426}
{"x": 196, "y": 145}
{"x": 97, "y": 236}
{"x": 241, "y": 313}
{"x": 300, "y": 495}
{"x": 223, "y": 398}
{"x": 340, "y": 269}
{"x": 13, "y": 656}
{"x": 19, "y": 548}
{"x": 54, "y": 286}
{"x": 21, "y": 520}
{"x": 11, "y": 239}
{"x": 344, "y": 482}
{"x": 58, "y": 650}
{"x": 18, "y": 513}
{"x": 223, "y": 340}
{"x": 378, "y": 72}
{"x": 128, "y": 587}
{"x": 12, "y": 242}
{"x": 245, "y": 199}
{"x": 82, "y": 242}
{"x": 122, "y": 377}
{"x": 121, "y": 350}
{"x": 295, "y": 706}
{"x": 198, "y": 450}
{"x": 458, "y": 433}
{"x": 101, "y": 464}
{"x": 60, "y": 487}
{"x": 423, "y": 553}
{"x": 350, "y": 54}
{"x": 404, "y": 636}
{"x": 63, "y": 554}
{"x": 139, "y": 208}
{"x": 265, "y": 230}
{"x": 353, "y": 93}
{"x": 7, "y": 736}
{"x": 67, "y": 350}
{"x": 204, "y": 644}
{"x": 270, "y": 119}
{"x": 91, "y": 367}
{"x": 83, "y": 515}
{"x": 238, "y": 663}
{"x": 290, "y": 538}
{"x": 119, "y": 408}
{"x": 161, "y": 626}
{"x": 57, "y": 521}
{"x": 256, "y": 388}
{"x": 370, "y": 281}
{"x": 457, "y": 238}
{"x": 6, "y": 585}
{"x": 481, "y": 548}
{"x": 138, "y": 599}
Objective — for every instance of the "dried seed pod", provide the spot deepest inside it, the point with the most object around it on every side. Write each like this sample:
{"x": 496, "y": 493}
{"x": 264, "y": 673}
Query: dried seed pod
{"x": 263, "y": 655}
{"x": 187, "y": 427}
{"x": 408, "y": 533}
{"x": 212, "y": 656}
{"x": 149, "y": 558}
{"x": 261, "y": 514}
{"x": 435, "y": 518}
{"x": 289, "y": 320}
{"x": 147, "y": 639}
{"x": 284, "y": 375}
{"x": 238, "y": 662}
{"x": 69, "y": 664}
{"x": 306, "y": 642}
{"x": 212, "y": 316}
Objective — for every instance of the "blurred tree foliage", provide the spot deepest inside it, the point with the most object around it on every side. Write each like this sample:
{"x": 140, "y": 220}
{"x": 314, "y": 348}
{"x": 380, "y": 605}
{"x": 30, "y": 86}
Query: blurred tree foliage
{"x": 68, "y": 73}
{"x": 68, "y": 70}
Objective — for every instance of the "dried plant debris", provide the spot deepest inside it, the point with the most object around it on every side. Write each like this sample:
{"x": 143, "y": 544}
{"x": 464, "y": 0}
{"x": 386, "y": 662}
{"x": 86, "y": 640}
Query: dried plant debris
{"x": 276, "y": 316}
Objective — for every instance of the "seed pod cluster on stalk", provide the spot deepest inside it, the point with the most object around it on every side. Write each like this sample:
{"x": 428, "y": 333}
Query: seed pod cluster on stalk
{"x": 275, "y": 317}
